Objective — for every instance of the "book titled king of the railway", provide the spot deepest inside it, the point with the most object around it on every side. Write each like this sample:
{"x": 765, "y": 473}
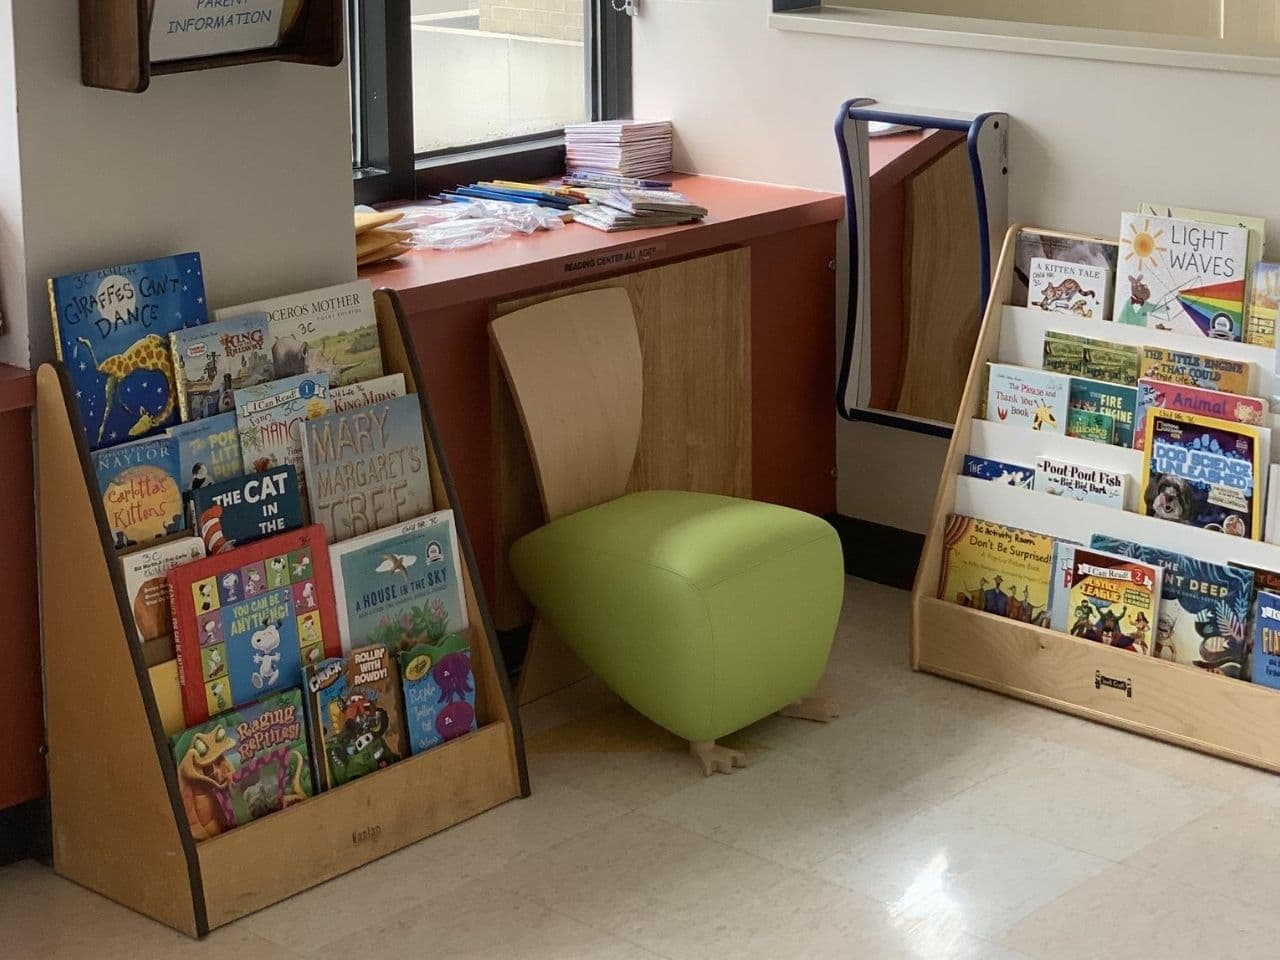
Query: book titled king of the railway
{"x": 213, "y": 361}
{"x": 111, "y": 328}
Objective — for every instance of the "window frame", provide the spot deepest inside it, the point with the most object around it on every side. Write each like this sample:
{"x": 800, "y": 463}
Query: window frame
{"x": 385, "y": 166}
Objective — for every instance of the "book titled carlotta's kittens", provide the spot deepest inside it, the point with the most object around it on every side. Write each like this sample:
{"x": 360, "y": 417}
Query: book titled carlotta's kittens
{"x": 141, "y": 490}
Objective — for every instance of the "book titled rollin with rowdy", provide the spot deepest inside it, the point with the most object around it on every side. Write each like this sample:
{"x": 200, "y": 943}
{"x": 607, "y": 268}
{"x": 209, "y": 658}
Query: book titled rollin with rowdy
{"x": 245, "y": 622}
{"x": 208, "y": 450}
{"x": 1203, "y": 472}
{"x": 1156, "y": 394}
{"x": 1107, "y": 598}
{"x": 213, "y": 361}
{"x": 111, "y": 328}
{"x": 1024, "y": 397}
{"x": 1118, "y": 402}
{"x": 1096, "y": 359}
{"x": 439, "y": 691}
{"x": 996, "y": 569}
{"x": 1195, "y": 370}
{"x": 148, "y": 593}
{"x": 270, "y": 418}
{"x": 247, "y": 508}
{"x": 1204, "y": 607}
{"x": 998, "y": 471}
{"x": 243, "y": 764}
{"x": 141, "y": 490}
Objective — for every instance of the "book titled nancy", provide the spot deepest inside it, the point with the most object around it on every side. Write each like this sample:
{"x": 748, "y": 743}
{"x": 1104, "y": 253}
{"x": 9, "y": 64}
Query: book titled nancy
{"x": 270, "y": 418}
{"x": 1028, "y": 398}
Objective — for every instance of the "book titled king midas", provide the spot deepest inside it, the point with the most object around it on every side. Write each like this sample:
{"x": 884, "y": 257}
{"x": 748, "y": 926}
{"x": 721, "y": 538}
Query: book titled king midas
{"x": 996, "y": 569}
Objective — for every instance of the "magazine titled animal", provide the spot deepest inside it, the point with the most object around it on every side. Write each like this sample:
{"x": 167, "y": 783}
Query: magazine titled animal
{"x": 1204, "y": 607}
{"x": 998, "y": 471}
{"x": 1155, "y": 394}
{"x": 213, "y": 361}
{"x": 355, "y": 714}
{"x": 1107, "y": 598}
{"x": 1023, "y": 397}
{"x": 1078, "y": 289}
{"x": 996, "y": 569}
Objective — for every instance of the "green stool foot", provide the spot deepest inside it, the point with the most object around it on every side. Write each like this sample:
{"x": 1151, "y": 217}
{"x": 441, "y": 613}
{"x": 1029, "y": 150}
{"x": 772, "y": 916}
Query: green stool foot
{"x": 715, "y": 758}
{"x": 818, "y": 709}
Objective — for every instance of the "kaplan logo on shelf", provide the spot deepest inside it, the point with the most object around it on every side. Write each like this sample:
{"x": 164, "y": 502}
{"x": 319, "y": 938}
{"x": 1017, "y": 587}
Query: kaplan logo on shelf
{"x": 1101, "y": 680}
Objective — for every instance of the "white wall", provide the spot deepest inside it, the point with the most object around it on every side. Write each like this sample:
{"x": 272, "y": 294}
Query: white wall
{"x": 251, "y": 166}
{"x": 1088, "y": 139}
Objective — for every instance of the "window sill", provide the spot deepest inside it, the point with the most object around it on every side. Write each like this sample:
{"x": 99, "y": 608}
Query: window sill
{"x": 1076, "y": 42}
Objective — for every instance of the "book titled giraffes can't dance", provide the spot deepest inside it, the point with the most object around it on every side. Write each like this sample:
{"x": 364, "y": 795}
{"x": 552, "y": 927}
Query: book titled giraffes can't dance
{"x": 111, "y": 328}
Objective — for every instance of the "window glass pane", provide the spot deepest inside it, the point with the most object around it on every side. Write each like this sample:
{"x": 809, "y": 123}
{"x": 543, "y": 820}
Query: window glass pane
{"x": 490, "y": 69}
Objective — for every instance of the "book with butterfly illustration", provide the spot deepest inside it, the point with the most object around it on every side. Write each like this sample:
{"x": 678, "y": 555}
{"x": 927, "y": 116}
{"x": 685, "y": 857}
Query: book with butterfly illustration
{"x": 111, "y": 328}
{"x": 400, "y": 586}
{"x": 1024, "y": 397}
{"x": 213, "y": 361}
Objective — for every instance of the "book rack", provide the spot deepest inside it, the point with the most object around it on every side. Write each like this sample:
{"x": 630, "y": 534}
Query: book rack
{"x": 1180, "y": 704}
{"x": 118, "y": 821}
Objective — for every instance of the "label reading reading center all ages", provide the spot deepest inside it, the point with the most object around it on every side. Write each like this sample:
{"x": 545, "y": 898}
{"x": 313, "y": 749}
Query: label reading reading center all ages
{"x": 200, "y": 28}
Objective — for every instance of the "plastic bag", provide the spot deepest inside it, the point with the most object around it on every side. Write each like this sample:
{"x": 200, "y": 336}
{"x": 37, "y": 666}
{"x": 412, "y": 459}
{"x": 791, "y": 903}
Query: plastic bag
{"x": 457, "y": 226}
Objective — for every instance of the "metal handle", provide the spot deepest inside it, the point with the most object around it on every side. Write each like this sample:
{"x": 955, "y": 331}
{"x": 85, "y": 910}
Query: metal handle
{"x": 630, "y": 7}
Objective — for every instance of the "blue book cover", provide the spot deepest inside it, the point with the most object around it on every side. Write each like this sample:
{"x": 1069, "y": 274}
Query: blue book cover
{"x": 367, "y": 468}
{"x": 999, "y": 471}
{"x": 141, "y": 491}
{"x": 1204, "y": 607}
{"x": 1115, "y": 400}
{"x": 213, "y": 361}
{"x": 400, "y": 586}
{"x": 439, "y": 692}
{"x": 247, "y": 508}
{"x": 1266, "y": 640}
{"x": 111, "y": 328}
{"x": 208, "y": 450}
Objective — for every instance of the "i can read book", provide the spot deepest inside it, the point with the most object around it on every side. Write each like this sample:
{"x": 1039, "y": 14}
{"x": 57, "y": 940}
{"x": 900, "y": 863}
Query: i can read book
{"x": 333, "y": 331}
{"x": 141, "y": 490}
{"x": 208, "y": 451}
{"x": 270, "y": 417}
{"x": 1195, "y": 370}
{"x": 1204, "y": 607}
{"x": 243, "y": 764}
{"x": 1111, "y": 599}
{"x": 213, "y": 361}
{"x": 1116, "y": 401}
{"x": 1156, "y": 394}
{"x": 1202, "y": 472}
{"x": 355, "y": 714}
{"x": 245, "y": 622}
{"x": 996, "y": 569}
{"x": 1089, "y": 357}
{"x": 439, "y": 691}
{"x": 1030, "y": 398}
{"x": 111, "y": 328}
{"x": 1183, "y": 276}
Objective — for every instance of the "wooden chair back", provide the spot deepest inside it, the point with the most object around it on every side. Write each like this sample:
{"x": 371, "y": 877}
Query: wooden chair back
{"x": 574, "y": 369}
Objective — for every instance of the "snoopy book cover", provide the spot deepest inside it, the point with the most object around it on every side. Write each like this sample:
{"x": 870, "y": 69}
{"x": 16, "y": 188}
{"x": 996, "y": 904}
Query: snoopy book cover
{"x": 1203, "y": 611}
{"x": 1195, "y": 370}
{"x": 439, "y": 691}
{"x": 1110, "y": 599}
{"x": 270, "y": 418}
{"x": 1202, "y": 472}
{"x": 1207, "y": 403}
{"x": 1023, "y": 397}
{"x": 996, "y": 569}
{"x": 243, "y": 765}
{"x": 367, "y": 468}
{"x": 400, "y": 586}
{"x": 111, "y": 328}
{"x": 141, "y": 489}
{"x": 208, "y": 450}
{"x": 332, "y": 331}
{"x": 245, "y": 622}
{"x": 354, "y": 714}
{"x": 1183, "y": 275}
{"x": 213, "y": 361}
{"x": 248, "y": 508}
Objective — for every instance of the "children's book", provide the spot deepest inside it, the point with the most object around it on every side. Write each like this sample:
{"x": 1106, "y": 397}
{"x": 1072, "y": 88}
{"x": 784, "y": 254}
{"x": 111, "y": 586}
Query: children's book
{"x": 1203, "y": 472}
{"x": 1090, "y": 357}
{"x": 1195, "y": 370}
{"x": 1183, "y": 275}
{"x": 439, "y": 691}
{"x": 1266, "y": 640}
{"x": 208, "y": 450}
{"x": 355, "y": 714}
{"x": 148, "y": 593}
{"x": 998, "y": 471}
{"x": 1064, "y": 249}
{"x": 1264, "y": 295}
{"x": 213, "y": 361}
{"x": 332, "y": 331}
{"x": 244, "y": 764}
{"x": 368, "y": 392}
{"x": 1083, "y": 483}
{"x": 996, "y": 569}
{"x": 1024, "y": 397}
{"x": 1256, "y": 226}
{"x": 111, "y": 328}
{"x": 1075, "y": 288}
{"x": 400, "y": 586}
{"x": 1156, "y": 394}
{"x": 1091, "y": 425}
{"x": 1120, "y": 403}
{"x": 1064, "y": 555}
{"x": 270, "y": 418}
{"x": 141, "y": 490}
{"x": 1264, "y": 581}
{"x": 367, "y": 468}
{"x": 248, "y": 508}
{"x": 1203, "y": 607}
{"x": 245, "y": 622}
{"x": 1109, "y": 599}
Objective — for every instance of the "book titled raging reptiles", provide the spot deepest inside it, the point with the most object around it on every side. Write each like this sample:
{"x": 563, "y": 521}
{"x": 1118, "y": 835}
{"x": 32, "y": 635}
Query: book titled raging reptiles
{"x": 111, "y": 328}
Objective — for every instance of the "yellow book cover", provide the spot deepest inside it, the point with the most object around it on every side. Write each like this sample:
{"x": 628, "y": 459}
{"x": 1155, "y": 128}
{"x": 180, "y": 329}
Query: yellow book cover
{"x": 997, "y": 569}
{"x": 1195, "y": 370}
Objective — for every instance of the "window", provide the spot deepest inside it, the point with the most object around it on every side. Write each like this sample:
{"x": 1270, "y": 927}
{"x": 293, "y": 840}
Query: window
{"x": 449, "y": 91}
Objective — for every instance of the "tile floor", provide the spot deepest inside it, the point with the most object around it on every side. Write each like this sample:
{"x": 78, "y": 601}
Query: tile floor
{"x": 931, "y": 821}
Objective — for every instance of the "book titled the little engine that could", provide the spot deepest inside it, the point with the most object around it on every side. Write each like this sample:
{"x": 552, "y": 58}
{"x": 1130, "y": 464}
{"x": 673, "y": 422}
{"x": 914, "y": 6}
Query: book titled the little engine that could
{"x": 996, "y": 569}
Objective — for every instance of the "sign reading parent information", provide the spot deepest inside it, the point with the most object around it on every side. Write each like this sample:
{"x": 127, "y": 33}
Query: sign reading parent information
{"x": 200, "y": 28}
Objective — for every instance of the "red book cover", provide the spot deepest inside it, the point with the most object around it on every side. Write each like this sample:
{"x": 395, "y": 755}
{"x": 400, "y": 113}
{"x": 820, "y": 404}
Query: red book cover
{"x": 246, "y": 621}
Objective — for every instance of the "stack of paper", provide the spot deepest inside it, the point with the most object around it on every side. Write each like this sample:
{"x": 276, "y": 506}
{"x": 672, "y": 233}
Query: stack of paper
{"x": 613, "y": 210}
{"x": 628, "y": 148}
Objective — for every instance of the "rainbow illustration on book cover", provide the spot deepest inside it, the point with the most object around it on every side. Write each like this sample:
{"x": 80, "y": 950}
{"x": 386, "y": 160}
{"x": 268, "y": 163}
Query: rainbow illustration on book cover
{"x": 111, "y": 329}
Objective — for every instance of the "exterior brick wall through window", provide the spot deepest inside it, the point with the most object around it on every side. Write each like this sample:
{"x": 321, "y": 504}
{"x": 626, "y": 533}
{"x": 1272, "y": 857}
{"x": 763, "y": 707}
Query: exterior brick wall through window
{"x": 552, "y": 19}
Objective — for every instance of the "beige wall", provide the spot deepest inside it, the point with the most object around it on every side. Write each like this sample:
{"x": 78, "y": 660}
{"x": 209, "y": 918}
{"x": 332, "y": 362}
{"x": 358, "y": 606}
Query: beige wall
{"x": 556, "y": 19}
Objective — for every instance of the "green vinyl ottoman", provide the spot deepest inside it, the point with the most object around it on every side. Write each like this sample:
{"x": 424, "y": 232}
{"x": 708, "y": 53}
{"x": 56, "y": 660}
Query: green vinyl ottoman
{"x": 705, "y": 613}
